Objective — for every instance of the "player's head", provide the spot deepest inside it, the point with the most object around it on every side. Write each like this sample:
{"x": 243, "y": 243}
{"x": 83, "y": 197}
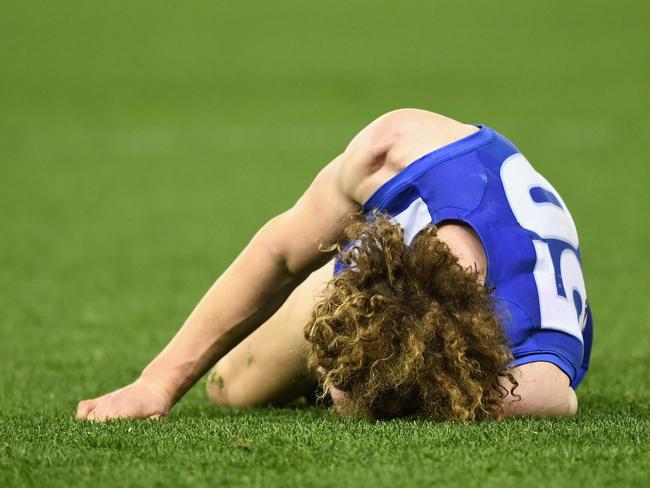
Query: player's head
{"x": 405, "y": 330}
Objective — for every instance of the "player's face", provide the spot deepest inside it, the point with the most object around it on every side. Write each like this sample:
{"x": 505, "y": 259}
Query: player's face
{"x": 338, "y": 398}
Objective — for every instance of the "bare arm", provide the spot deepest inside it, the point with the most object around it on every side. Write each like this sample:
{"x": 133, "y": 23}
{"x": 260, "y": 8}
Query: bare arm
{"x": 278, "y": 258}
{"x": 544, "y": 390}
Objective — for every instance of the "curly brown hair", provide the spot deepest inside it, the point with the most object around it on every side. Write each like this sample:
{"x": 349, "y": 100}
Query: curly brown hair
{"x": 405, "y": 331}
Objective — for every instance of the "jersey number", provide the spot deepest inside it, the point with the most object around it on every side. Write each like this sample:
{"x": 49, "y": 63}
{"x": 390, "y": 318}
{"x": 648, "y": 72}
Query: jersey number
{"x": 540, "y": 209}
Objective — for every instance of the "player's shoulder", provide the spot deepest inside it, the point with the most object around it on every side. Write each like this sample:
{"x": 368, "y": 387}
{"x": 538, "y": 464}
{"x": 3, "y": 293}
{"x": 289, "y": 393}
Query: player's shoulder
{"x": 391, "y": 142}
{"x": 393, "y": 128}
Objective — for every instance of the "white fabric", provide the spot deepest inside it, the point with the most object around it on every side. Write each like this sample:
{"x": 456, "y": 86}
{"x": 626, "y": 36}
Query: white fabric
{"x": 413, "y": 219}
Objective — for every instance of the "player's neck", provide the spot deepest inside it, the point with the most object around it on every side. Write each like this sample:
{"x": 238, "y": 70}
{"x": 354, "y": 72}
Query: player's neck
{"x": 466, "y": 245}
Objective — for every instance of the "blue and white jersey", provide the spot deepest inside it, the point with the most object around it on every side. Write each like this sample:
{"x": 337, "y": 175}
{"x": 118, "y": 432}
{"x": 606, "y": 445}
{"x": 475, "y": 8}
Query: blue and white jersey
{"x": 529, "y": 237}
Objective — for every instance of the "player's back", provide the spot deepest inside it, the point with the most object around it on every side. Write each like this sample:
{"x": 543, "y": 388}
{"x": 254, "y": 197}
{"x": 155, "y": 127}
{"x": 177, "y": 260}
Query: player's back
{"x": 529, "y": 237}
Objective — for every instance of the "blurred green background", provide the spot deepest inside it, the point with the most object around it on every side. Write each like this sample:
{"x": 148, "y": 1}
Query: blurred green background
{"x": 142, "y": 144}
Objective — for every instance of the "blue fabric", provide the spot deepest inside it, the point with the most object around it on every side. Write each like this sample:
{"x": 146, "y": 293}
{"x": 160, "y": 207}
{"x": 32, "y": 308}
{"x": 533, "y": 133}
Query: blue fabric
{"x": 462, "y": 182}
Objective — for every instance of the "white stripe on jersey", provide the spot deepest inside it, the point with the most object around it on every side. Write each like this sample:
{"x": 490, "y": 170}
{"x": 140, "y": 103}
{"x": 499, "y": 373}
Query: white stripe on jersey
{"x": 413, "y": 219}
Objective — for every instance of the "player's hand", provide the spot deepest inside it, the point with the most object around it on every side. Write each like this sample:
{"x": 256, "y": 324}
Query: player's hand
{"x": 142, "y": 399}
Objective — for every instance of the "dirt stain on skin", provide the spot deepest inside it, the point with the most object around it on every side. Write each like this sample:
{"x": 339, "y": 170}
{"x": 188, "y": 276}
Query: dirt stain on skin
{"x": 216, "y": 379}
{"x": 250, "y": 359}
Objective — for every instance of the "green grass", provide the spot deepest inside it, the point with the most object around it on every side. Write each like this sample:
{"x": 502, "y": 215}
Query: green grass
{"x": 141, "y": 145}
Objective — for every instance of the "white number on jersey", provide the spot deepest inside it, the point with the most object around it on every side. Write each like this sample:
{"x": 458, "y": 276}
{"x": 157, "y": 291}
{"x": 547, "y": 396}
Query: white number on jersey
{"x": 550, "y": 220}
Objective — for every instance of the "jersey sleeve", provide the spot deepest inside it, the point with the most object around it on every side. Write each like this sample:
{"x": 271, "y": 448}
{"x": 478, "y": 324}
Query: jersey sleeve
{"x": 530, "y": 343}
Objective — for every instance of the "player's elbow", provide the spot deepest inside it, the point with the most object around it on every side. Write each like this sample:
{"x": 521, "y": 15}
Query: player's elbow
{"x": 572, "y": 408}
{"x": 542, "y": 390}
{"x": 561, "y": 403}
{"x": 275, "y": 243}
{"x": 565, "y": 405}
{"x": 268, "y": 244}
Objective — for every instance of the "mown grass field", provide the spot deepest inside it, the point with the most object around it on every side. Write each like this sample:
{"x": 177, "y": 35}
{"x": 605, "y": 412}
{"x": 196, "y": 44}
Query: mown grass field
{"x": 143, "y": 143}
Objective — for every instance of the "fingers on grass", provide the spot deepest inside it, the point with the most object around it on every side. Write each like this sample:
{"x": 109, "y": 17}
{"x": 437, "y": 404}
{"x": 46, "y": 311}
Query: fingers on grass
{"x": 84, "y": 408}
